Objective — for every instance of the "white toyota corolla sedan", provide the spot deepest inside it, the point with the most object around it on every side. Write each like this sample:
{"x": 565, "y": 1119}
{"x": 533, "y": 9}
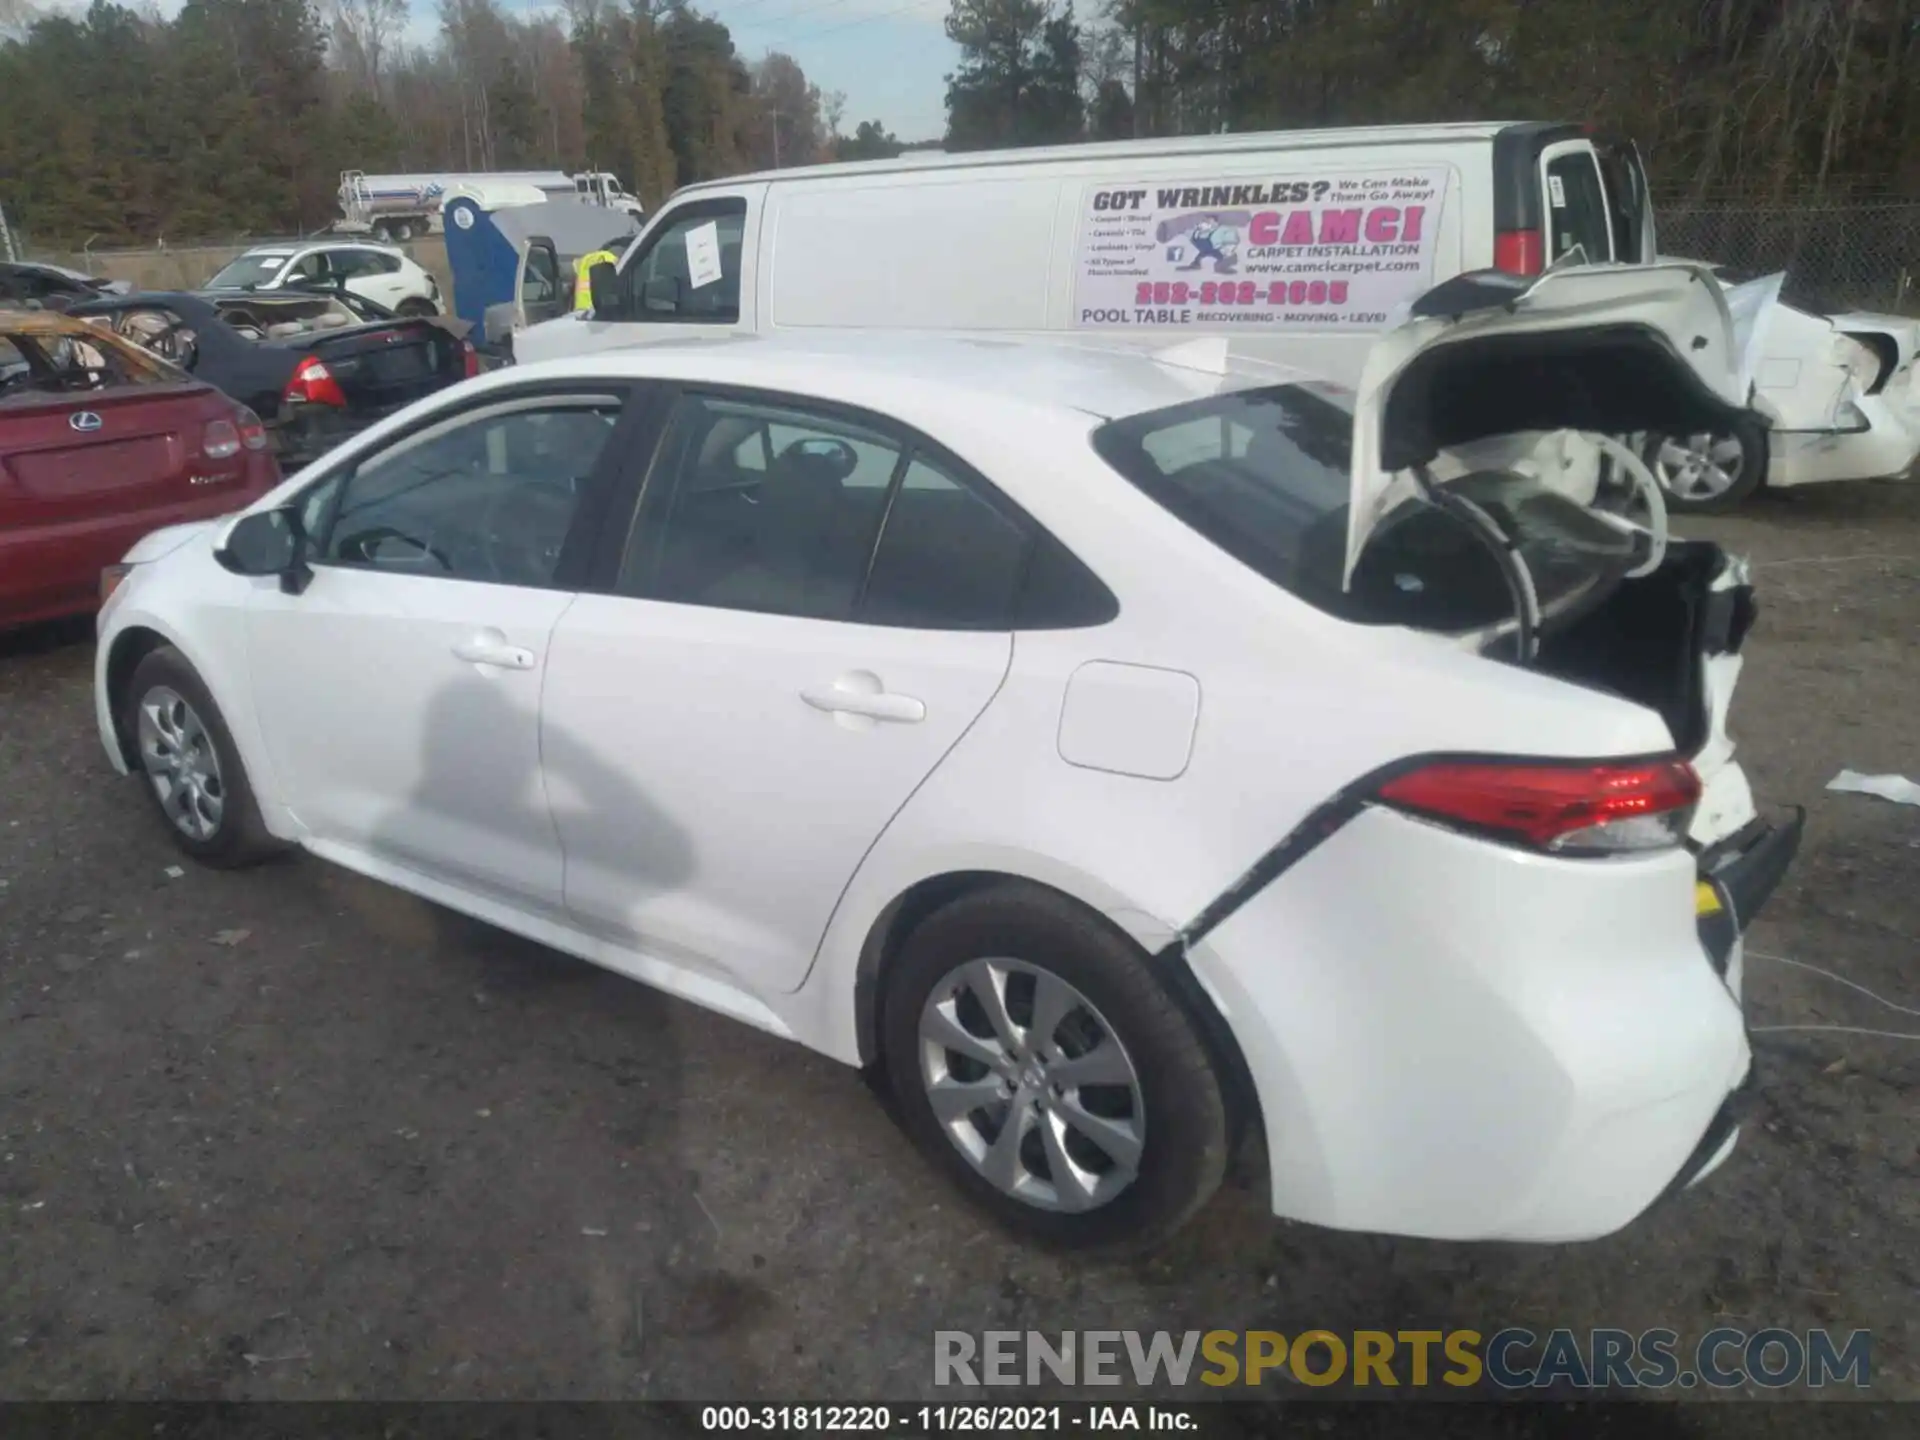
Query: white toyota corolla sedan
{"x": 1123, "y": 752}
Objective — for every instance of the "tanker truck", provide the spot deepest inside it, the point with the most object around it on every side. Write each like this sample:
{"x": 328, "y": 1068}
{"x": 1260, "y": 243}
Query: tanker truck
{"x": 401, "y": 207}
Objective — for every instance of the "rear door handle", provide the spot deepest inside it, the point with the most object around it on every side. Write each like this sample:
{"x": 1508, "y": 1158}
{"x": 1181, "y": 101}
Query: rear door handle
{"x": 490, "y": 647}
{"x": 843, "y": 699}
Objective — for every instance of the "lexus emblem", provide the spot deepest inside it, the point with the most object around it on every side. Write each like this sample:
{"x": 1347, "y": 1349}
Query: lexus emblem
{"x": 85, "y": 421}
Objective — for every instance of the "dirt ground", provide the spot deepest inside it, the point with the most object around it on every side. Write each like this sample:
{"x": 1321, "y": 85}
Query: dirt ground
{"x": 286, "y": 1134}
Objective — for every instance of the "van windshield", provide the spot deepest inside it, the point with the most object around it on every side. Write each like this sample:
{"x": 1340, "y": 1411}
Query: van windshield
{"x": 1266, "y": 475}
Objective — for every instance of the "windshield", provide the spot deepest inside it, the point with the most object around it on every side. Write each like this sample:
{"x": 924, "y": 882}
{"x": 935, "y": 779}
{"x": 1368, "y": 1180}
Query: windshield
{"x": 249, "y": 270}
{"x": 1265, "y": 475}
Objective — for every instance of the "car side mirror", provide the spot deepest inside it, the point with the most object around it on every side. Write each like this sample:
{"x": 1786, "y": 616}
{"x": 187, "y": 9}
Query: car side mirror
{"x": 269, "y": 542}
{"x": 604, "y": 280}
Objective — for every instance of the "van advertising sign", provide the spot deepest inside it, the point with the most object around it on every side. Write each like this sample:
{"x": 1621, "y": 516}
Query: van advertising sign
{"x": 1337, "y": 252}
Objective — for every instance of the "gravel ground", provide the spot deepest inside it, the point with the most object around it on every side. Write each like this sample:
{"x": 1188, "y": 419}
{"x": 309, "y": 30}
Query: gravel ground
{"x": 287, "y": 1134}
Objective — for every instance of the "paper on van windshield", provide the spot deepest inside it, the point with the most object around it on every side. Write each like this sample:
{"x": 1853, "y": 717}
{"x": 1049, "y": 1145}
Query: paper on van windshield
{"x": 1335, "y": 252}
{"x": 703, "y": 254}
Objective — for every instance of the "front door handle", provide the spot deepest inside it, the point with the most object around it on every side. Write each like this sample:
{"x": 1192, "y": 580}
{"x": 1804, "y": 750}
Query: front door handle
{"x": 859, "y": 694}
{"x": 490, "y": 647}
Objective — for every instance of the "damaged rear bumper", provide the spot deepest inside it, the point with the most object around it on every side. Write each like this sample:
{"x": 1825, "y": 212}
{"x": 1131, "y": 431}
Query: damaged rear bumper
{"x": 1740, "y": 875}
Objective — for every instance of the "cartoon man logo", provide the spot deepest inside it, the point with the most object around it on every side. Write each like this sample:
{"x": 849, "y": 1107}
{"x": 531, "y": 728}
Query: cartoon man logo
{"x": 1213, "y": 241}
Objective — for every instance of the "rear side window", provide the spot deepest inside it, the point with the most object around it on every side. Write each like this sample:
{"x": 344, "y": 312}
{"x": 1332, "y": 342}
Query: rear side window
{"x": 1577, "y": 208}
{"x": 947, "y": 558}
{"x": 1263, "y": 474}
{"x": 769, "y": 507}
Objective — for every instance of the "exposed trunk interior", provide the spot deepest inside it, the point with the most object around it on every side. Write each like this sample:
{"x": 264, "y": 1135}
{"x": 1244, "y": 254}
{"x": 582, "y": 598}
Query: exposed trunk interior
{"x": 1645, "y": 641}
{"x": 1639, "y": 638}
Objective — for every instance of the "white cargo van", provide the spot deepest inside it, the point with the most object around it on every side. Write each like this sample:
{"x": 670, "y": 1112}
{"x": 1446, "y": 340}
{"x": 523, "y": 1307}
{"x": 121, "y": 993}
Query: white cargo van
{"x": 1276, "y": 239}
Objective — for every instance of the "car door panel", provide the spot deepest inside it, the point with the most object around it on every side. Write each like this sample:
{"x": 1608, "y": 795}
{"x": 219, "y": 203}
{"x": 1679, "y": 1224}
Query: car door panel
{"x": 767, "y": 735}
{"x": 394, "y": 735}
{"x": 767, "y": 754}
{"x": 401, "y": 687}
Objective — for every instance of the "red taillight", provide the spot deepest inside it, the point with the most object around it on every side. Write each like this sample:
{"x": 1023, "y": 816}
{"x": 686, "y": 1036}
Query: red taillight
{"x": 469, "y": 359}
{"x": 314, "y": 384}
{"x": 219, "y": 440}
{"x": 253, "y": 434}
{"x": 1519, "y": 252}
{"x": 1568, "y": 809}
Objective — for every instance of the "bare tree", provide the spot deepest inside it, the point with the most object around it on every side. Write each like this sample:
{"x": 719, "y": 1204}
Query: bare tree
{"x": 366, "y": 33}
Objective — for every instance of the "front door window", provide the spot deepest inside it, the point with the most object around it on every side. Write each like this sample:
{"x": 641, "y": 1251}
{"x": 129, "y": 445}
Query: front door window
{"x": 689, "y": 272}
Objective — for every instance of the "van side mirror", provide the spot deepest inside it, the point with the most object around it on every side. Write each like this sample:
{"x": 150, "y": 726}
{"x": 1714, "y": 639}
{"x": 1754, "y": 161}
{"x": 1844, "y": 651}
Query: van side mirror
{"x": 604, "y": 281}
{"x": 268, "y": 542}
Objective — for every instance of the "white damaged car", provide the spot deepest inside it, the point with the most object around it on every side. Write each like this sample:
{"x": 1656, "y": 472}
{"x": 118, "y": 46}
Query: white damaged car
{"x": 1124, "y": 754}
{"x": 1837, "y": 396}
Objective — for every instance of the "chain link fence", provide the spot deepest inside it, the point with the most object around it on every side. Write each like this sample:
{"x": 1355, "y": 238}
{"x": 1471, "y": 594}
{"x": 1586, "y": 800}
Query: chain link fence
{"x": 1837, "y": 255}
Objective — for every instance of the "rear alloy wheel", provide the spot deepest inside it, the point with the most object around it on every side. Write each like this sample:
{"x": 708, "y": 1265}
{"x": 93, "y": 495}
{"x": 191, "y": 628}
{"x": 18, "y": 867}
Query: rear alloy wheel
{"x": 1049, "y": 1111}
{"x": 1036, "y": 1059}
{"x": 188, "y": 765}
{"x": 1705, "y": 473}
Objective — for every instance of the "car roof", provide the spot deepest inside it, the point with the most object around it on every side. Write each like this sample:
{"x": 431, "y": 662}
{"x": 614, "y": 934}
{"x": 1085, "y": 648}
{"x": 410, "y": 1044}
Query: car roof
{"x": 281, "y": 249}
{"x": 44, "y": 267}
{"x": 1099, "y": 378}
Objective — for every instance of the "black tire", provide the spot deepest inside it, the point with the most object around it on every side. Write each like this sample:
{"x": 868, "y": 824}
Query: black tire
{"x": 416, "y": 309}
{"x": 1751, "y": 437}
{"x": 1184, "y": 1140}
{"x": 240, "y": 838}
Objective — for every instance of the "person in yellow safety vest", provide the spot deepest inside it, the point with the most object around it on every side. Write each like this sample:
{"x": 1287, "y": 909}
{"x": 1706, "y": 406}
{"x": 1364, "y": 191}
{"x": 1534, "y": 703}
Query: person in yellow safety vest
{"x": 582, "y": 286}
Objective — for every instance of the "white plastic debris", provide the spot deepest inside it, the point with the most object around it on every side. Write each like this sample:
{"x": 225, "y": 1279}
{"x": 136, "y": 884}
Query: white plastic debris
{"x": 1896, "y": 788}
{"x": 174, "y": 872}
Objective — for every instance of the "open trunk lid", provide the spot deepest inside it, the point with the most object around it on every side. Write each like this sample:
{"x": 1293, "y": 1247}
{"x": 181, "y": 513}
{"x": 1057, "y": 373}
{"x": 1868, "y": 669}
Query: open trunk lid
{"x": 1606, "y": 349}
{"x": 1596, "y": 350}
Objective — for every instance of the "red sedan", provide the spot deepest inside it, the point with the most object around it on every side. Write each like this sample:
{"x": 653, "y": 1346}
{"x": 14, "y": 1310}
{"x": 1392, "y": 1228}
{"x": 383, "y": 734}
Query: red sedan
{"x": 100, "y": 443}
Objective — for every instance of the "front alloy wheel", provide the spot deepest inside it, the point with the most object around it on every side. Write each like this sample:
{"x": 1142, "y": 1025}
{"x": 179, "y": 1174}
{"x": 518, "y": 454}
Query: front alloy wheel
{"x": 181, "y": 763}
{"x": 1031, "y": 1085}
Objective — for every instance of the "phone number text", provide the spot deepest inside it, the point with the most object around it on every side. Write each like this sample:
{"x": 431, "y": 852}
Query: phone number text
{"x": 1240, "y": 292}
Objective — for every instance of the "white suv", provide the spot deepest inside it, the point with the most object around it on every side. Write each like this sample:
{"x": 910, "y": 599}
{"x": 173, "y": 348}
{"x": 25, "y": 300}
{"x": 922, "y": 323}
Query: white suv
{"x": 376, "y": 272}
